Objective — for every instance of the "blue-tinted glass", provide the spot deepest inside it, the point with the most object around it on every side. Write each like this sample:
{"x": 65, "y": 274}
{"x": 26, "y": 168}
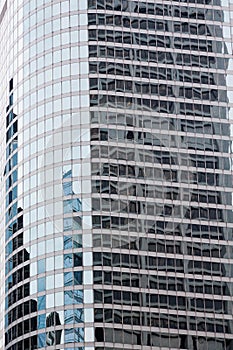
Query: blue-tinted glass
{"x": 41, "y": 320}
{"x": 78, "y": 315}
{"x": 15, "y": 159}
{"x": 9, "y": 248}
{"x": 15, "y": 176}
{"x": 41, "y": 340}
{"x": 12, "y": 211}
{"x": 69, "y": 316}
{"x": 72, "y": 206}
{"x": 79, "y": 335}
{"x": 74, "y": 335}
{"x": 69, "y": 335}
{"x": 67, "y": 206}
{"x": 41, "y": 266}
{"x": 68, "y": 297}
{"x": 41, "y": 284}
{"x": 67, "y": 242}
{"x": 67, "y": 188}
{"x": 68, "y": 260}
{"x": 11, "y": 100}
{"x": 68, "y": 278}
{"x": 14, "y": 190}
{"x": 67, "y": 174}
{"x": 41, "y": 303}
{"x": 78, "y": 296}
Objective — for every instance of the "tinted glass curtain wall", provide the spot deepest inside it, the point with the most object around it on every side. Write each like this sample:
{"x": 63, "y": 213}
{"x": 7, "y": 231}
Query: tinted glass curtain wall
{"x": 116, "y": 174}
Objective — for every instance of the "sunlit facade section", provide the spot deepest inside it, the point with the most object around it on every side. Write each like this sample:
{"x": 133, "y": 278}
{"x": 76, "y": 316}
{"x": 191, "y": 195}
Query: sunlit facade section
{"x": 45, "y": 162}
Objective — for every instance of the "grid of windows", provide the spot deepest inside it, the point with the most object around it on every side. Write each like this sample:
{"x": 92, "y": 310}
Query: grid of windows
{"x": 116, "y": 225}
{"x": 161, "y": 175}
{"x": 45, "y": 100}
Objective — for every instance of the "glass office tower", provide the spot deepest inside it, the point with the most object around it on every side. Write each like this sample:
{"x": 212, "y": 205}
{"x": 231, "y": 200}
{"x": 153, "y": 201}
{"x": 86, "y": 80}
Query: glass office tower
{"x": 116, "y": 174}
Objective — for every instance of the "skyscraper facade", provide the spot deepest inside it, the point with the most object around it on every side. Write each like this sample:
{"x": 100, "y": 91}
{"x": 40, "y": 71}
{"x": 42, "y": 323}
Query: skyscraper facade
{"x": 116, "y": 175}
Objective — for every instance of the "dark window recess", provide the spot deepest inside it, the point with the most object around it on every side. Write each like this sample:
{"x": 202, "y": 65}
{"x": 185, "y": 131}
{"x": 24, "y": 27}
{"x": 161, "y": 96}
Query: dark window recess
{"x": 11, "y": 85}
{"x": 21, "y": 329}
{"x": 99, "y": 334}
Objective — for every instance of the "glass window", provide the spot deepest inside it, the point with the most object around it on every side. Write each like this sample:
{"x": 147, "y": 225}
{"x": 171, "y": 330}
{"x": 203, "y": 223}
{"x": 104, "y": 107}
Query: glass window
{"x": 41, "y": 266}
{"x": 41, "y": 303}
{"x": 41, "y": 319}
{"x": 41, "y": 284}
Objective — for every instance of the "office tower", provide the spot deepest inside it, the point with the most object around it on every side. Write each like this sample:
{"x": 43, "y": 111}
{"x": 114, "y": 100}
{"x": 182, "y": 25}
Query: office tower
{"x": 116, "y": 176}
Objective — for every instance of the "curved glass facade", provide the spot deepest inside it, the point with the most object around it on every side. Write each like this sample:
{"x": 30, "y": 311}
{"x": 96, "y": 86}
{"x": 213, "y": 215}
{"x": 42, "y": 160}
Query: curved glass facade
{"x": 47, "y": 216}
{"x": 116, "y": 174}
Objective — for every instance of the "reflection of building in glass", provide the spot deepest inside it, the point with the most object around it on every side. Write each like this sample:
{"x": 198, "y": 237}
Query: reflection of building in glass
{"x": 53, "y": 337}
{"x": 20, "y": 309}
{"x": 160, "y": 165}
{"x": 116, "y": 175}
